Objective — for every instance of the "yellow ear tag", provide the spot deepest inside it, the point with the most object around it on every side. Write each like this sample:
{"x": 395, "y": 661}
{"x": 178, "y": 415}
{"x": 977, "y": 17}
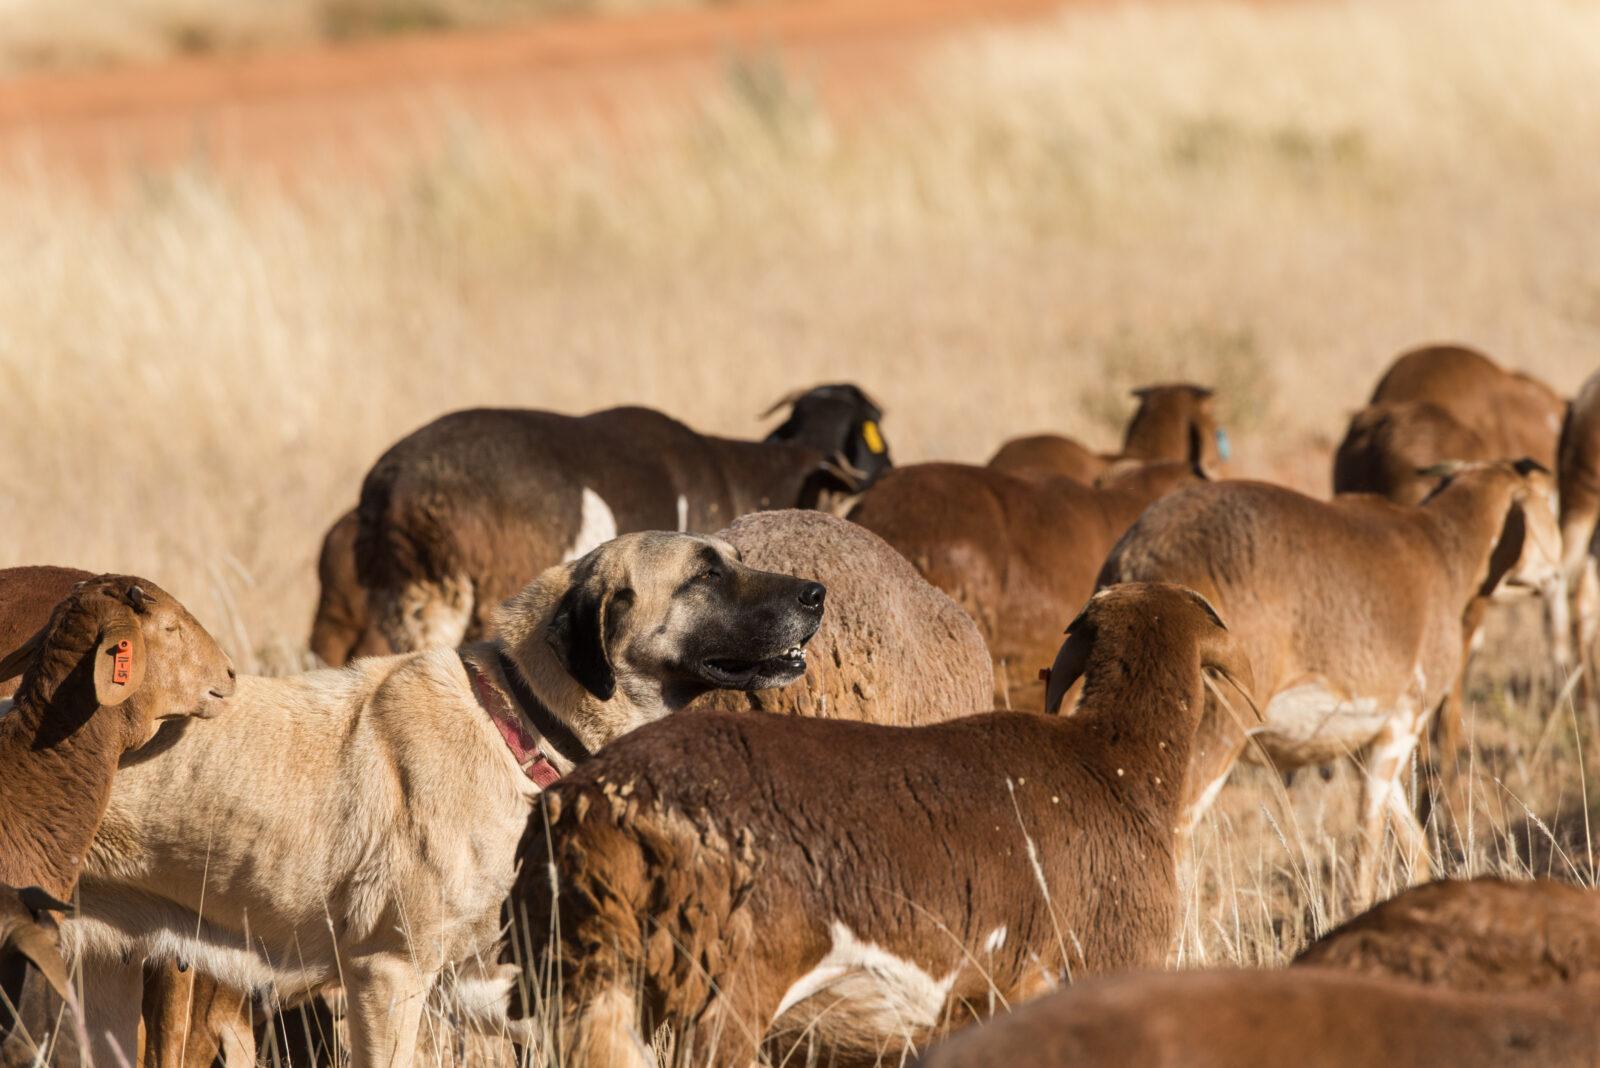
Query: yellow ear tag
{"x": 869, "y": 434}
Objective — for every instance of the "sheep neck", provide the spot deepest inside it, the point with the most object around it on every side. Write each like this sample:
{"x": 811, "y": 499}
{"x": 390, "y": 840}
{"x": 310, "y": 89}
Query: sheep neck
{"x": 1466, "y": 519}
{"x": 54, "y": 785}
{"x": 1136, "y": 722}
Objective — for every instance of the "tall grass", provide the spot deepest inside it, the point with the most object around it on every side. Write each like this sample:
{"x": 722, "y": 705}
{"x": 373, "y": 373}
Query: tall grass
{"x": 1274, "y": 200}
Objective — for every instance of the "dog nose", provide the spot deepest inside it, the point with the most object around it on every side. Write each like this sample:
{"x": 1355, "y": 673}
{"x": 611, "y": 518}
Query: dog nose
{"x": 811, "y": 595}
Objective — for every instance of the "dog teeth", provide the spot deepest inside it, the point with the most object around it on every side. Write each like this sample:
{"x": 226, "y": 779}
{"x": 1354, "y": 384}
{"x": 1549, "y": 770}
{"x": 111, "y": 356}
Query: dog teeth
{"x": 796, "y": 651}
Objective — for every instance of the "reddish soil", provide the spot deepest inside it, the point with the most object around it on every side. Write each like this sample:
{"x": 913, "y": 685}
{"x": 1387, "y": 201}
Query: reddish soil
{"x": 359, "y": 105}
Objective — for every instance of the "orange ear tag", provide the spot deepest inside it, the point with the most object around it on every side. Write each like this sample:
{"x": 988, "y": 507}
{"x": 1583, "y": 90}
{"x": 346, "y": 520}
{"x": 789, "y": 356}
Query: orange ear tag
{"x": 122, "y": 669}
{"x": 869, "y": 434}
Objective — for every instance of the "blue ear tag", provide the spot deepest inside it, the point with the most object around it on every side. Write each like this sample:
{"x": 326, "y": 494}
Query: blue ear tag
{"x": 1224, "y": 448}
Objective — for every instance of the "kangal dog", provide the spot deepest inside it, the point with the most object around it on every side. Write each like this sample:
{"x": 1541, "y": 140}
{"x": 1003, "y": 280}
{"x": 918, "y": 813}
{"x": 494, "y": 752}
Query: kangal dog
{"x": 358, "y": 826}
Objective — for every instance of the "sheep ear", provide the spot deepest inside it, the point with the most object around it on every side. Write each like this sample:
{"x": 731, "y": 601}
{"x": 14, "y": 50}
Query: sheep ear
{"x": 577, "y": 633}
{"x": 16, "y": 661}
{"x": 118, "y": 663}
{"x": 783, "y": 402}
{"x": 1070, "y": 661}
{"x": 1528, "y": 465}
{"x": 1442, "y": 469}
{"x": 21, "y": 932}
{"x": 1205, "y": 606}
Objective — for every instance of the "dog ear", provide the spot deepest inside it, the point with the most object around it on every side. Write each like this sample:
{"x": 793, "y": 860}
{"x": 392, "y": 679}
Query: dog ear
{"x": 577, "y": 633}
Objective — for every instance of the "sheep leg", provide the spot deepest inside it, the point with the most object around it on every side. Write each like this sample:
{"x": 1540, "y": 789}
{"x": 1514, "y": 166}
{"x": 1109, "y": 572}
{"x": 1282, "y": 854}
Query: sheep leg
{"x": 191, "y": 1019}
{"x": 1557, "y": 623}
{"x": 385, "y": 996}
{"x": 112, "y": 995}
{"x": 1586, "y": 621}
{"x": 604, "y": 1033}
{"x": 1381, "y": 796}
{"x": 728, "y": 1033}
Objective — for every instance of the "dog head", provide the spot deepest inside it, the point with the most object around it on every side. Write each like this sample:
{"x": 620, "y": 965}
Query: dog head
{"x": 647, "y": 622}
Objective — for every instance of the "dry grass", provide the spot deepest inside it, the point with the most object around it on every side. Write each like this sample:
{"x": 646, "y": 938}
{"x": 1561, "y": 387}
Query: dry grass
{"x": 1275, "y": 200}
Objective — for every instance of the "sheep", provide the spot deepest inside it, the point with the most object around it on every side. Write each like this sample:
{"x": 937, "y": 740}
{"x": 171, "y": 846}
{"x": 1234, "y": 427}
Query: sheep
{"x": 779, "y": 880}
{"x": 1578, "y": 474}
{"x": 1352, "y": 610}
{"x": 368, "y": 839}
{"x": 1486, "y": 934}
{"x": 459, "y": 515}
{"x": 114, "y": 657}
{"x": 1442, "y": 404}
{"x": 1019, "y": 552}
{"x": 1259, "y": 1018}
{"x": 891, "y": 648}
{"x": 118, "y": 656}
{"x": 342, "y": 628}
{"x": 34, "y": 986}
{"x": 1173, "y": 422}
{"x": 1516, "y": 414}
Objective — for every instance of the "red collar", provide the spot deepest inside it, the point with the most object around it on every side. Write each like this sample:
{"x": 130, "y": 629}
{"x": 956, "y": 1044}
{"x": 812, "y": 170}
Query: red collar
{"x": 524, "y": 746}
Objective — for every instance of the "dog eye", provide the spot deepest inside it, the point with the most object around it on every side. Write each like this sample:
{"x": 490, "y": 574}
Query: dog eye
{"x": 707, "y": 575}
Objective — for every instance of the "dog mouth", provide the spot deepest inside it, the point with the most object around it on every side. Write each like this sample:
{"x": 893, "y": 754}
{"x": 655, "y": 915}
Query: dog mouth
{"x": 777, "y": 670}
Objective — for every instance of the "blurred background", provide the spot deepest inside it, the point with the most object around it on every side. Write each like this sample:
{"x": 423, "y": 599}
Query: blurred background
{"x": 245, "y": 245}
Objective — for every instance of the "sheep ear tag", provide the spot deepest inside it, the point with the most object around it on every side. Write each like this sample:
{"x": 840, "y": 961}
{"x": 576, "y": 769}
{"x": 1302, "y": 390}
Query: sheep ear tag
{"x": 871, "y": 435}
{"x": 122, "y": 663}
{"x": 119, "y": 664}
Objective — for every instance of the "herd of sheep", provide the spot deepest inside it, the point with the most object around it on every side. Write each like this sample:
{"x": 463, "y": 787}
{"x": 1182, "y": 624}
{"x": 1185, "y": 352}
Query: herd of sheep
{"x": 586, "y": 776}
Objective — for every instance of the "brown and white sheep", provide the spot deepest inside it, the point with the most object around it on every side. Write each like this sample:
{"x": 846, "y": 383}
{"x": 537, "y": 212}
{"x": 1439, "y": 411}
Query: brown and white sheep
{"x": 457, "y": 516}
{"x": 1019, "y": 552}
{"x": 1258, "y": 1018}
{"x": 891, "y": 648}
{"x": 781, "y": 881}
{"x": 1173, "y": 422}
{"x": 1484, "y": 934}
{"x": 1352, "y": 612}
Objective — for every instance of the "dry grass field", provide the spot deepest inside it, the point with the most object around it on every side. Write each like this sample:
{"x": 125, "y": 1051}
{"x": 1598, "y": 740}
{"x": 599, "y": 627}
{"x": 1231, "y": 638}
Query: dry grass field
{"x": 1273, "y": 199}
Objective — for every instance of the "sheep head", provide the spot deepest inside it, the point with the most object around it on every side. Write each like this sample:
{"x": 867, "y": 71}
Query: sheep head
{"x": 122, "y": 642}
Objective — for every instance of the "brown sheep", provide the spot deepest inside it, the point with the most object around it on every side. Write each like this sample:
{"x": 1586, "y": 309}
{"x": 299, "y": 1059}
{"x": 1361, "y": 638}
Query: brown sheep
{"x": 457, "y": 516}
{"x": 779, "y": 881}
{"x": 1578, "y": 472}
{"x": 1310, "y": 1018}
{"x": 115, "y": 657}
{"x": 1516, "y": 414}
{"x": 1484, "y": 934}
{"x": 118, "y": 656}
{"x": 1173, "y": 422}
{"x": 891, "y": 648}
{"x": 1392, "y": 449}
{"x": 1443, "y": 404}
{"x": 1352, "y": 610}
{"x": 1019, "y": 552}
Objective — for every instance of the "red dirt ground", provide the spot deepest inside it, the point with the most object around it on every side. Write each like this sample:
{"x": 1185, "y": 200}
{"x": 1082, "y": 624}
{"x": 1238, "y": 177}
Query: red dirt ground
{"x": 359, "y": 105}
